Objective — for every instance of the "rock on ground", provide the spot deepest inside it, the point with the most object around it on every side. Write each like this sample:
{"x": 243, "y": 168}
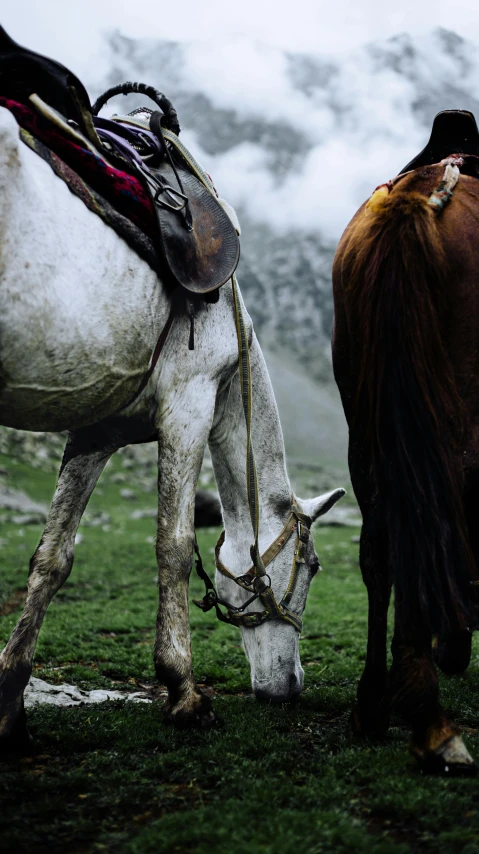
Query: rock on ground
{"x": 40, "y": 692}
{"x": 13, "y": 499}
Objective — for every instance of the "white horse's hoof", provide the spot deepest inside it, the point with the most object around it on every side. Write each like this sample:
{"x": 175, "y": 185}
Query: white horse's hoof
{"x": 186, "y": 716}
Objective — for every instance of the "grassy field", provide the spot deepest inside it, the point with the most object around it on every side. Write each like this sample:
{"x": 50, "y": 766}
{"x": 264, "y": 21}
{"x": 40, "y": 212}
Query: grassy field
{"x": 114, "y": 777}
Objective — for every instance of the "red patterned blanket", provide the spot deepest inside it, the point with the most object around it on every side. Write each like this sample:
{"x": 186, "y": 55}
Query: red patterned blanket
{"x": 118, "y": 197}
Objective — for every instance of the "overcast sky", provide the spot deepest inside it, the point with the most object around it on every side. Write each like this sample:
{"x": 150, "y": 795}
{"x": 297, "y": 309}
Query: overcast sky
{"x": 72, "y": 31}
{"x": 237, "y": 61}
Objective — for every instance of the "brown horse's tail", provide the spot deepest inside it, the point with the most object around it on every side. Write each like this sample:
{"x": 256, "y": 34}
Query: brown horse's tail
{"x": 407, "y": 405}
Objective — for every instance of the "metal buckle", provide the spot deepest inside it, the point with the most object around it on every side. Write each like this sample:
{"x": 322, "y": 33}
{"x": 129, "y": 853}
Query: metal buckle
{"x": 174, "y": 194}
{"x": 245, "y": 581}
{"x": 258, "y": 581}
{"x": 208, "y": 602}
{"x": 157, "y": 187}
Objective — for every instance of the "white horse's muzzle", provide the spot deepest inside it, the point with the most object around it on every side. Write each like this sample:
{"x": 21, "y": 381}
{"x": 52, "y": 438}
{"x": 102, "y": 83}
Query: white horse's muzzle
{"x": 281, "y": 690}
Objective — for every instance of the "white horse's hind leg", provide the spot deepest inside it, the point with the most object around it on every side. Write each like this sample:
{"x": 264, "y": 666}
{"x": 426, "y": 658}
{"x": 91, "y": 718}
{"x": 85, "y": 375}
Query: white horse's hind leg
{"x": 49, "y": 568}
{"x": 183, "y": 433}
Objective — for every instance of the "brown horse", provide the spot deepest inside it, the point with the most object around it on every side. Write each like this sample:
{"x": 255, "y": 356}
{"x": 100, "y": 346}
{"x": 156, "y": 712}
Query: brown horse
{"x": 406, "y": 361}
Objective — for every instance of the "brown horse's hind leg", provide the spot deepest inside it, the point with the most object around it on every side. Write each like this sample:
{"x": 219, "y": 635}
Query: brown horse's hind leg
{"x": 436, "y": 742}
{"x": 49, "y": 568}
{"x": 370, "y": 715}
{"x": 452, "y": 652}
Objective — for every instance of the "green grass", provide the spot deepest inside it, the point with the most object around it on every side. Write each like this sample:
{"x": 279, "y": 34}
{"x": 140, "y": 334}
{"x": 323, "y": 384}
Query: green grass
{"x": 268, "y": 779}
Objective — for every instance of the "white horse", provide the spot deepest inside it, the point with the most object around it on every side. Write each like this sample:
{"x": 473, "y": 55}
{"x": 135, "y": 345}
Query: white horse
{"x": 80, "y": 315}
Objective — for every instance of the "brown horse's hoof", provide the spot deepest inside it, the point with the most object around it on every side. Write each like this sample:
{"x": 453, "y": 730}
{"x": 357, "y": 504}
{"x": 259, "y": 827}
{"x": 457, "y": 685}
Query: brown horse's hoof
{"x": 452, "y": 653}
{"x": 450, "y": 759}
{"x": 187, "y": 716}
{"x": 373, "y": 725}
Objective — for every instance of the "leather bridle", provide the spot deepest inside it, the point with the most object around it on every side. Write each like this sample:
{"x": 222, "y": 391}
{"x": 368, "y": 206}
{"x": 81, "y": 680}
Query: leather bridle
{"x": 254, "y": 582}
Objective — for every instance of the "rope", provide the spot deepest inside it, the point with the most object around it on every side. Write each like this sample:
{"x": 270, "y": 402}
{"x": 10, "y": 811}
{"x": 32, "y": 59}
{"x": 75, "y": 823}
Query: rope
{"x": 244, "y": 365}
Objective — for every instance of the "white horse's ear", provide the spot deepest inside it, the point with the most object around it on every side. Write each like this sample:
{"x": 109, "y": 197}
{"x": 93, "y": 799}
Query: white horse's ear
{"x": 316, "y": 507}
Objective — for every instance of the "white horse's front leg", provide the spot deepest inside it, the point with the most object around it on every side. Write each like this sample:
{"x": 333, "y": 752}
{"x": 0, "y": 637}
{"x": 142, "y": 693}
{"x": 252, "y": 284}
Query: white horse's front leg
{"x": 83, "y": 462}
{"x": 182, "y": 432}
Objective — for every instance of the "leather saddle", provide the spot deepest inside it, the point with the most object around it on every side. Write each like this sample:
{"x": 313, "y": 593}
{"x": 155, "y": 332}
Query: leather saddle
{"x": 453, "y": 132}
{"x": 196, "y": 238}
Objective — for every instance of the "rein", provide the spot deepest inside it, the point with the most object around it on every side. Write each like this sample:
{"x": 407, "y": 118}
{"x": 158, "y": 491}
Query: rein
{"x": 253, "y": 581}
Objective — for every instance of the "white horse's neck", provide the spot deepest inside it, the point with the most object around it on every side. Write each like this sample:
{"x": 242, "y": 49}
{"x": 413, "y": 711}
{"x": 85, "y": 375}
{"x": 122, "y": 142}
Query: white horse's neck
{"x": 228, "y": 449}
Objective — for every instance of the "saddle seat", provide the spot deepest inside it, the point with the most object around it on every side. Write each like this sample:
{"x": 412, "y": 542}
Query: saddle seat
{"x": 453, "y": 132}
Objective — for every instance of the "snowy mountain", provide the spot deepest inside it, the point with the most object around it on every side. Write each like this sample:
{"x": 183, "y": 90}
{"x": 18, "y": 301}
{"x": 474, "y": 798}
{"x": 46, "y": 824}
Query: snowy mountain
{"x": 296, "y": 142}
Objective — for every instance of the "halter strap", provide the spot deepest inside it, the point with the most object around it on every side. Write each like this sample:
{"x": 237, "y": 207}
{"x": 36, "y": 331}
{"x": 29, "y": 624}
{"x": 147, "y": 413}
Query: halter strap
{"x": 269, "y": 555}
{"x": 255, "y": 584}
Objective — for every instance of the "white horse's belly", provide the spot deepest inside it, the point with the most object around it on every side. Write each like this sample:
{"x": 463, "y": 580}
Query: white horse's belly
{"x": 80, "y": 312}
{"x": 60, "y": 369}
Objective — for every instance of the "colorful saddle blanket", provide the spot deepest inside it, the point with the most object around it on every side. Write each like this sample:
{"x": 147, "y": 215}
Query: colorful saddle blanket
{"x": 115, "y": 190}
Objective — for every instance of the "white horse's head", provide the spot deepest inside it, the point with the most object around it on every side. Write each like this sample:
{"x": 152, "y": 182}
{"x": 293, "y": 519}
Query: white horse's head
{"x": 272, "y": 647}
